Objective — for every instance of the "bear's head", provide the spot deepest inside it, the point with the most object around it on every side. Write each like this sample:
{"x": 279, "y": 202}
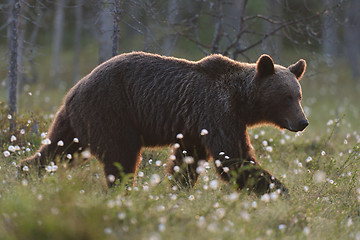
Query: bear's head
{"x": 278, "y": 94}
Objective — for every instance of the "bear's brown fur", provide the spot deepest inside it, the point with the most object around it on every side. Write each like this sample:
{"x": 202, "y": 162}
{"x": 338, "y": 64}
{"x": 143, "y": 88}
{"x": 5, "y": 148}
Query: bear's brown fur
{"x": 139, "y": 100}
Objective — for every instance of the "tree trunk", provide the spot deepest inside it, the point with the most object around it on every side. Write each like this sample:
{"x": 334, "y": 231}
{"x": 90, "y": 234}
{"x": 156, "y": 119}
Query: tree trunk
{"x": 170, "y": 39}
{"x": 21, "y": 39}
{"x": 57, "y": 40}
{"x": 12, "y": 69}
{"x": 32, "y": 46}
{"x": 116, "y": 31}
{"x": 106, "y": 27}
{"x": 77, "y": 39}
{"x": 352, "y": 37}
{"x": 329, "y": 34}
{"x": 241, "y": 5}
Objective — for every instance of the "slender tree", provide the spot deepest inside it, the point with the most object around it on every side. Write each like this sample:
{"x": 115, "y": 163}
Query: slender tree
{"x": 116, "y": 31}
{"x": 170, "y": 39}
{"x": 77, "y": 38}
{"x": 105, "y": 30}
{"x": 12, "y": 69}
{"x": 58, "y": 37}
{"x": 352, "y": 37}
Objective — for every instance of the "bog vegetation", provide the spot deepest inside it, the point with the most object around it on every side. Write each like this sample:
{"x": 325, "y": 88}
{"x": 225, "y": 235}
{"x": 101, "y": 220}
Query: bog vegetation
{"x": 320, "y": 167}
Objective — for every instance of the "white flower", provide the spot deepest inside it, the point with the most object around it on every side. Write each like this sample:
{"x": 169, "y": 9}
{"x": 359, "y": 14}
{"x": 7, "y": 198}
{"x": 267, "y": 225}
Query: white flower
{"x": 68, "y": 156}
{"x": 306, "y": 230}
{"x": 265, "y": 197}
{"x": 141, "y": 174}
{"x": 22, "y": 131}
{"x": 269, "y": 149}
{"x": 204, "y": 132}
{"x": 176, "y": 145}
{"x": 111, "y": 178}
{"x": 189, "y": 160}
{"x": 86, "y": 154}
{"x": 214, "y": 184}
{"x": 282, "y": 227}
{"x": 155, "y": 179}
{"x": 13, "y": 138}
{"x": 25, "y": 168}
{"x": 319, "y": 176}
{"x": 60, "y": 143}
{"x": 46, "y": 141}
{"x": 179, "y": 136}
{"x": 191, "y": 197}
{"x": 75, "y": 140}
{"x": 176, "y": 168}
{"x": 226, "y": 169}
{"x": 200, "y": 169}
{"x": 11, "y": 148}
{"x": 308, "y": 159}
{"x": 6, "y": 153}
{"x": 158, "y": 163}
{"x": 217, "y": 163}
{"x": 24, "y": 182}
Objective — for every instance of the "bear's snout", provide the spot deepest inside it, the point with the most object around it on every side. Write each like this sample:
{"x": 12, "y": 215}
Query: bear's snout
{"x": 303, "y": 123}
{"x": 296, "y": 127}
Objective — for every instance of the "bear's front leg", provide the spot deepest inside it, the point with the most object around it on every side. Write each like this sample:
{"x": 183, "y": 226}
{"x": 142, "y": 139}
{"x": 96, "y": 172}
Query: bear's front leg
{"x": 237, "y": 165}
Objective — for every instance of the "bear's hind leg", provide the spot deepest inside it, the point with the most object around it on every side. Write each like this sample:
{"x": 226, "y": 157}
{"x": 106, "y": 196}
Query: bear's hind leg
{"x": 184, "y": 168}
{"x": 59, "y": 142}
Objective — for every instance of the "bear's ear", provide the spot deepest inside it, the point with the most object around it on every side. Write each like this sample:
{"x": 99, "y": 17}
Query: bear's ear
{"x": 298, "y": 69}
{"x": 265, "y": 66}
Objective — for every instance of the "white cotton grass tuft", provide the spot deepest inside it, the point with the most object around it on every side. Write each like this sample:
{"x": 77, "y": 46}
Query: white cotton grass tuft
{"x": 86, "y": 154}
{"x": 179, "y": 136}
{"x": 6, "y": 153}
{"x": 46, "y": 141}
{"x": 214, "y": 184}
{"x": 189, "y": 160}
{"x": 155, "y": 179}
{"x": 319, "y": 177}
{"x": 111, "y": 178}
{"x": 204, "y": 132}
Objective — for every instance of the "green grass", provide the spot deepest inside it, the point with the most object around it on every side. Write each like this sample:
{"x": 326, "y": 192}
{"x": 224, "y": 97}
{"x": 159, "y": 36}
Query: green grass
{"x": 320, "y": 167}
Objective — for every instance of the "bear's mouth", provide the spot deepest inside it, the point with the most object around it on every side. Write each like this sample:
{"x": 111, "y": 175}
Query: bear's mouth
{"x": 288, "y": 126}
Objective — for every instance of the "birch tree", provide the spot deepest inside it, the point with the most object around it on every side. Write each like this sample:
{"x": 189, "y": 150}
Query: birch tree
{"x": 105, "y": 30}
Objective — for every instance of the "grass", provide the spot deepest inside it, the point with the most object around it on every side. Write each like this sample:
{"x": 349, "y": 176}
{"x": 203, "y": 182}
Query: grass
{"x": 320, "y": 167}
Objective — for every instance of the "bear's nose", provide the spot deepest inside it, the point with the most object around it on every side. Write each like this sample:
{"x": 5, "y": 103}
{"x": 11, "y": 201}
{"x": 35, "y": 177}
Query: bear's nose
{"x": 303, "y": 124}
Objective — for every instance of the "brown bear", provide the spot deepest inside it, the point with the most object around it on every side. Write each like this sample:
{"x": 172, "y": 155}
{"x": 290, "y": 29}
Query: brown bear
{"x": 140, "y": 100}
